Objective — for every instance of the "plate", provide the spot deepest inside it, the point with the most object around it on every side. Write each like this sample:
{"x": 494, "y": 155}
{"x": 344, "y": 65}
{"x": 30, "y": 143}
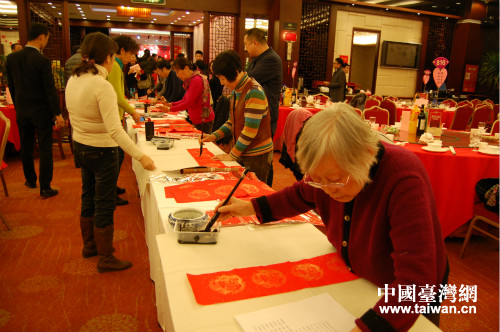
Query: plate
{"x": 426, "y": 148}
{"x": 490, "y": 152}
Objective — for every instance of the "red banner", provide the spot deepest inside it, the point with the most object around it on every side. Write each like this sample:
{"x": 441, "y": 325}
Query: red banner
{"x": 470, "y": 78}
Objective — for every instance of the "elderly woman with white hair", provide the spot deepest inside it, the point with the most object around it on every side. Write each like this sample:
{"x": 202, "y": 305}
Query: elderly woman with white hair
{"x": 377, "y": 205}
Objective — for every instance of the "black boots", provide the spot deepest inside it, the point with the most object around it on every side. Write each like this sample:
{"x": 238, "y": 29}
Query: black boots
{"x": 107, "y": 262}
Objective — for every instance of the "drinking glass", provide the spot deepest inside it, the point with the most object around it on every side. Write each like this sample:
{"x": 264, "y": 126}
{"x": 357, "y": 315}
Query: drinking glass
{"x": 384, "y": 128}
{"x": 482, "y": 127}
{"x": 475, "y": 138}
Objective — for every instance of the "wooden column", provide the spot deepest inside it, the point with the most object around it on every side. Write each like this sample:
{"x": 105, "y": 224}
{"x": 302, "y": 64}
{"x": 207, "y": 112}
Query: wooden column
{"x": 65, "y": 30}
{"x": 23, "y": 17}
{"x": 206, "y": 37}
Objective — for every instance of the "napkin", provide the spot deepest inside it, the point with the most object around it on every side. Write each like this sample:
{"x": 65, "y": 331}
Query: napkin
{"x": 427, "y": 137}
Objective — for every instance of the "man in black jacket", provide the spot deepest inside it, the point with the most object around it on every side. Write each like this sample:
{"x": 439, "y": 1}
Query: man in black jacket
{"x": 172, "y": 89}
{"x": 35, "y": 98}
{"x": 266, "y": 67}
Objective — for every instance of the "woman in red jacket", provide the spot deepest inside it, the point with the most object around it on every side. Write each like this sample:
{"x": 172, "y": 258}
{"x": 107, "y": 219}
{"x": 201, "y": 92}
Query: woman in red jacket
{"x": 197, "y": 98}
{"x": 378, "y": 207}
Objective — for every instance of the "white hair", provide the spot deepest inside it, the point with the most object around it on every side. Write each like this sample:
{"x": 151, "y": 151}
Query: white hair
{"x": 338, "y": 132}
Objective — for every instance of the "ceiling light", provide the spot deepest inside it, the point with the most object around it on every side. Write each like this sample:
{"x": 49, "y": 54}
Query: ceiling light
{"x": 154, "y": 19}
{"x": 183, "y": 16}
{"x": 171, "y": 22}
{"x": 434, "y": 6}
{"x": 49, "y": 3}
{"x": 84, "y": 18}
{"x": 418, "y": 13}
{"x": 59, "y": 13}
{"x": 138, "y": 37}
{"x": 77, "y": 5}
{"x": 53, "y": 7}
{"x": 187, "y": 13}
{"x": 108, "y": 16}
{"x": 139, "y": 31}
{"x": 194, "y": 22}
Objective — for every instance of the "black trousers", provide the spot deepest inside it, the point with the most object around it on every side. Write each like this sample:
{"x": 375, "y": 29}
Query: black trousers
{"x": 99, "y": 168}
{"x": 43, "y": 129}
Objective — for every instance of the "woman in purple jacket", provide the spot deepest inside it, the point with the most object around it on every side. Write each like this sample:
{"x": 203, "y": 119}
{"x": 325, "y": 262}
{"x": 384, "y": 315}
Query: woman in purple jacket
{"x": 378, "y": 208}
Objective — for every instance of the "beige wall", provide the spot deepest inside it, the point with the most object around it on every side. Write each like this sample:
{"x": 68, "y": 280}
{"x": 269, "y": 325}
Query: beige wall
{"x": 9, "y": 37}
{"x": 396, "y": 82}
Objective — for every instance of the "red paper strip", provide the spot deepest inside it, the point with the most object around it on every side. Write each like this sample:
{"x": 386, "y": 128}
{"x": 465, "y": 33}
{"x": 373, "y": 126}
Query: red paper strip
{"x": 307, "y": 217}
{"x": 216, "y": 189}
{"x": 184, "y": 129}
{"x": 205, "y": 159}
{"x": 251, "y": 282}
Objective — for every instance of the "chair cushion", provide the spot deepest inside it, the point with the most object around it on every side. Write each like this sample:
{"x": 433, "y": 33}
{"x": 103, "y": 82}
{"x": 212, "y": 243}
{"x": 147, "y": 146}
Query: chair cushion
{"x": 480, "y": 210}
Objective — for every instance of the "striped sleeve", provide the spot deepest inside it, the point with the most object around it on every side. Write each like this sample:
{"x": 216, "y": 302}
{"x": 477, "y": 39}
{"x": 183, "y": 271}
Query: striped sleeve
{"x": 255, "y": 110}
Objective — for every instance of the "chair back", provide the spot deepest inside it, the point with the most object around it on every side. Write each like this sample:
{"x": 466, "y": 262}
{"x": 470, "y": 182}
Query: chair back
{"x": 449, "y": 103}
{"x": 390, "y": 106}
{"x": 4, "y": 134}
{"x": 293, "y": 125}
{"x": 461, "y": 117}
{"x": 489, "y": 101}
{"x": 481, "y": 114}
{"x": 370, "y": 102}
{"x": 394, "y": 99}
{"x": 475, "y": 102}
{"x": 494, "y": 128}
{"x": 495, "y": 112}
{"x": 360, "y": 112}
{"x": 465, "y": 102}
{"x": 321, "y": 98}
{"x": 381, "y": 115}
{"x": 379, "y": 98}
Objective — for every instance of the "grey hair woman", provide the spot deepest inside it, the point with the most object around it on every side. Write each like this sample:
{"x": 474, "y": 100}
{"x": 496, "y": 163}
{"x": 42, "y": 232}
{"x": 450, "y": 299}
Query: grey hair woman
{"x": 377, "y": 205}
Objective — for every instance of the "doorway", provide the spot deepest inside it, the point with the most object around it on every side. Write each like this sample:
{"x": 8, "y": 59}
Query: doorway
{"x": 364, "y": 59}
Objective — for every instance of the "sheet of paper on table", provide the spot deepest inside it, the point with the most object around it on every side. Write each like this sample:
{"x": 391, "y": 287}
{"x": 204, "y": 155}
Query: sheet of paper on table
{"x": 319, "y": 313}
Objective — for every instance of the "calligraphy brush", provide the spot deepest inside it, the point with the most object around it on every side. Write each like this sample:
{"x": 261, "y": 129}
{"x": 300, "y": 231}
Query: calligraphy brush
{"x": 217, "y": 214}
{"x": 201, "y": 143}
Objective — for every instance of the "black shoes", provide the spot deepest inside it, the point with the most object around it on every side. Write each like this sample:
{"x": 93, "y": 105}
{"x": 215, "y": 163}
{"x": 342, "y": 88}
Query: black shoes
{"x": 30, "y": 185}
{"x": 121, "y": 201}
{"x": 119, "y": 190}
{"x": 48, "y": 192}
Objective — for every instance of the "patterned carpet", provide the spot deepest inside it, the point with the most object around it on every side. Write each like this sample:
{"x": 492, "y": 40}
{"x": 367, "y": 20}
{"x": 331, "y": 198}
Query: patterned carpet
{"x": 45, "y": 284}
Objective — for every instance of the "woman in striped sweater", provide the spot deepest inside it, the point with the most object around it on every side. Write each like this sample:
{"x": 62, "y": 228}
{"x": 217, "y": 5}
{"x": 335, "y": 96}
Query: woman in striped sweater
{"x": 249, "y": 122}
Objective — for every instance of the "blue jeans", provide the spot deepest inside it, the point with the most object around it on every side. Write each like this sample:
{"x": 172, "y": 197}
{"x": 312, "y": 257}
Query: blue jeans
{"x": 99, "y": 168}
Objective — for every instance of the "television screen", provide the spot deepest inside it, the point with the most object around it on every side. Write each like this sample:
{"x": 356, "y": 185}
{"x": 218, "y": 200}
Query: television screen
{"x": 400, "y": 55}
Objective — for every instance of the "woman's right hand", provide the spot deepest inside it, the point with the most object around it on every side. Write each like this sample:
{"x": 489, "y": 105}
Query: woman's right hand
{"x": 235, "y": 208}
{"x": 147, "y": 163}
{"x": 206, "y": 138}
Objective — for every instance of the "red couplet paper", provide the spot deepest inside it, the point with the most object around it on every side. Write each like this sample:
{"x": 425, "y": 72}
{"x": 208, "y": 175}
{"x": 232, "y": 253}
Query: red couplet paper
{"x": 205, "y": 159}
{"x": 216, "y": 189}
{"x": 251, "y": 282}
{"x": 307, "y": 217}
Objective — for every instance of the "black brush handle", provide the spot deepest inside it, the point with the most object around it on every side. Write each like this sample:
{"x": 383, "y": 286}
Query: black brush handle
{"x": 217, "y": 214}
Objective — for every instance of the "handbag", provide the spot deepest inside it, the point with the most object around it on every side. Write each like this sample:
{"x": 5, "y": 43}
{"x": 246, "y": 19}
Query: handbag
{"x": 144, "y": 84}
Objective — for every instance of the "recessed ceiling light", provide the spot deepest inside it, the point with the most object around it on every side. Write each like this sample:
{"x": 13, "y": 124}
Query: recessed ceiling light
{"x": 154, "y": 19}
{"x": 387, "y": 9}
{"x": 418, "y": 13}
{"x": 171, "y": 22}
{"x": 434, "y": 6}
{"x": 49, "y": 3}
{"x": 53, "y": 7}
{"x": 77, "y": 5}
{"x": 108, "y": 16}
{"x": 84, "y": 18}
{"x": 183, "y": 15}
{"x": 458, "y": 3}
{"x": 187, "y": 13}
{"x": 59, "y": 13}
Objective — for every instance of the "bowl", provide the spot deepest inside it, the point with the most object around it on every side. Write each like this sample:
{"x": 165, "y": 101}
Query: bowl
{"x": 199, "y": 237}
{"x": 435, "y": 145}
{"x": 162, "y": 143}
{"x": 188, "y": 220}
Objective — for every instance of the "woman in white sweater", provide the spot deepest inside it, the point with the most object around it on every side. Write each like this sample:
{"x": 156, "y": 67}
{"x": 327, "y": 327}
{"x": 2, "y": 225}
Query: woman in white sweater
{"x": 97, "y": 131}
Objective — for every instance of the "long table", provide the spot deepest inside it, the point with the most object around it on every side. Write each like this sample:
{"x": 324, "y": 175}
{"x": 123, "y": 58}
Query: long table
{"x": 238, "y": 246}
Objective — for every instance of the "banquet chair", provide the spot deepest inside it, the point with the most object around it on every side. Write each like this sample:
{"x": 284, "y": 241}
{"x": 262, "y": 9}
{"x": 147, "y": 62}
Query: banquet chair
{"x": 394, "y": 99}
{"x": 59, "y": 133}
{"x": 4, "y": 134}
{"x": 481, "y": 114}
{"x": 449, "y": 103}
{"x": 370, "y": 102}
{"x": 379, "y": 98}
{"x": 390, "y": 106}
{"x": 495, "y": 112}
{"x": 494, "y": 128}
{"x": 360, "y": 112}
{"x": 381, "y": 115}
{"x": 475, "y": 102}
{"x": 489, "y": 101}
{"x": 461, "y": 117}
{"x": 484, "y": 215}
{"x": 465, "y": 102}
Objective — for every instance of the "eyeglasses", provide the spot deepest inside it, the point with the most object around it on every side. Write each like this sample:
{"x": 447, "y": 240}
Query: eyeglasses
{"x": 309, "y": 181}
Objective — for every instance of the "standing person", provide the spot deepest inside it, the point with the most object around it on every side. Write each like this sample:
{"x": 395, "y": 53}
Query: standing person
{"x": 16, "y": 47}
{"x": 35, "y": 98}
{"x": 198, "y": 55}
{"x": 249, "y": 121}
{"x": 267, "y": 69}
{"x": 337, "y": 84}
{"x": 130, "y": 80}
{"x": 73, "y": 61}
{"x": 379, "y": 211}
{"x": 127, "y": 47}
{"x": 97, "y": 131}
{"x": 172, "y": 86}
{"x": 197, "y": 98}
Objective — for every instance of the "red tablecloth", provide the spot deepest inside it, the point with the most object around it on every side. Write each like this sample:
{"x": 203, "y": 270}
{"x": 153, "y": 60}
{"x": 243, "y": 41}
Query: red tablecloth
{"x": 283, "y": 114}
{"x": 446, "y": 119}
{"x": 453, "y": 180}
{"x": 10, "y": 113}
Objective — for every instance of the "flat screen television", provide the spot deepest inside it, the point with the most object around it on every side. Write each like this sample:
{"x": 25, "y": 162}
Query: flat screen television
{"x": 400, "y": 55}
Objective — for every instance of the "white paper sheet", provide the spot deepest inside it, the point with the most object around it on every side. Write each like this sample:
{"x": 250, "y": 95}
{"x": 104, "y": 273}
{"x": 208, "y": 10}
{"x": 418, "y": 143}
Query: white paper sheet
{"x": 319, "y": 313}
